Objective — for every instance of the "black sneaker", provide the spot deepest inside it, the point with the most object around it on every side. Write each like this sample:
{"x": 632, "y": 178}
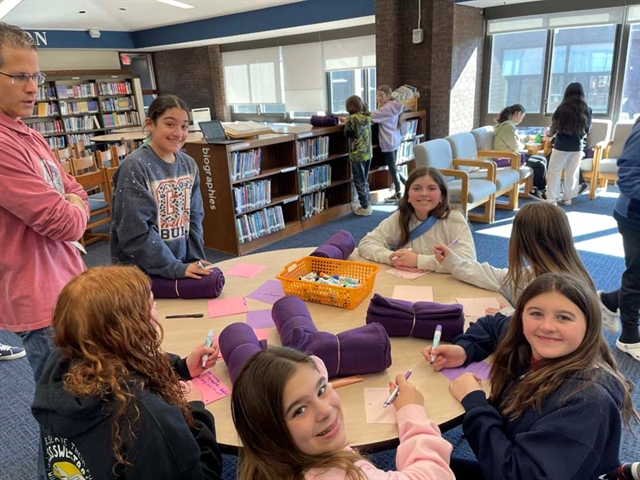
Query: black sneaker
{"x": 584, "y": 186}
{"x": 393, "y": 198}
{"x": 11, "y": 353}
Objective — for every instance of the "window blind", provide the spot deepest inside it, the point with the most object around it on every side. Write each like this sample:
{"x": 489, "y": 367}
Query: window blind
{"x": 601, "y": 16}
{"x": 252, "y": 76}
{"x": 303, "y": 77}
{"x": 347, "y": 53}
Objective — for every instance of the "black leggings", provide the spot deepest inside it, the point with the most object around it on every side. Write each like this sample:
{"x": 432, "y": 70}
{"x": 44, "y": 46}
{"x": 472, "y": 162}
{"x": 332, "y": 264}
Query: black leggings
{"x": 396, "y": 176}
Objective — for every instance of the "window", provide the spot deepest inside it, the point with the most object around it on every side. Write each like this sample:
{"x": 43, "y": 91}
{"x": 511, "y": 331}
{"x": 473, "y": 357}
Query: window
{"x": 630, "y": 106}
{"x": 252, "y": 76}
{"x": 344, "y": 83}
{"x": 582, "y": 55}
{"x": 517, "y": 70}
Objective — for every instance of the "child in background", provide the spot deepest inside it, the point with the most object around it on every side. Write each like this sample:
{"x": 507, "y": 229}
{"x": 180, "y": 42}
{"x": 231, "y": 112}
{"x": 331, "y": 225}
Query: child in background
{"x": 357, "y": 129}
{"x": 157, "y": 210}
{"x": 387, "y": 116}
{"x": 506, "y": 138}
{"x": 570, "y": 124}
{"x": 112, "y": 397}
{"x": 291, "y": 425}
{"x": 541, "y": 242}
{"x": 425, "y": 199}
{"x": 558, "y": 400}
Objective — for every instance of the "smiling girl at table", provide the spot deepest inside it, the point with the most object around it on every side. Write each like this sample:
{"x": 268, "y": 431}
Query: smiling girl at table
{"x": 157, "y": 209}
{"x": 424, "y": 207}
{"x": 291, "y": 424}
{"x": 541, "y": 242}
{"x": 557, "y": 401}
{"x": 110, "y": 403}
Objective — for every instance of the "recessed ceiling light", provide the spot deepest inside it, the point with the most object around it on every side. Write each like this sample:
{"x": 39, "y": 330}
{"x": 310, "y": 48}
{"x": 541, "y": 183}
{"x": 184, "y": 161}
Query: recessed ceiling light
{"x": 82, "y": 11}
{"x": 123, "y": 9}
{"x": 7, "y": 5}
{"x": 174, "y": 3}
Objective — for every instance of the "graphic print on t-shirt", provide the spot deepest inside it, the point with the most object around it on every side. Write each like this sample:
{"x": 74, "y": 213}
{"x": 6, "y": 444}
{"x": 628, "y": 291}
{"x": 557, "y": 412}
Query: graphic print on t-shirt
{"x": 63, "y": 460}
{"x": 173, "y": 197}
{"x": 51, "y": 174}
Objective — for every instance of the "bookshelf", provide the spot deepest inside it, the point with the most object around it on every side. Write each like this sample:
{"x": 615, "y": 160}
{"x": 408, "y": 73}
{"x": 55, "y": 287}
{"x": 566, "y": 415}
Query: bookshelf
{"x": 272, "y": 186}
{"x": 71, "y": 107}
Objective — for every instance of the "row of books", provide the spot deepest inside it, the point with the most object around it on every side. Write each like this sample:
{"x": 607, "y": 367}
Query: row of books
{"x": 57, "y": 142}
{"x": 45, "y": 110}
{"x": 245, "y": 164}
{"x": 312, "y": 150}
{"x": 48, "y": 128}
{"x": 314, "y": 179}
{"x": 409, "y": 128}
{"x": 121, "y": 119}
{"x": 69, "y": 108}
{"x": 313, "y": 204}
{"x": 45, "y": 92}
{"x": 405, "y": 92}
{"x": 119, "y": 88}
{"x": 74, "y": 124}
{"x": 259, "y": 224}
{"x": 117, "y": 104}
{"x": 76, "y": 137}
{"x": 252, "y": 195}
{"x": 405, "y": 152}
{"x": 76, "y": 91}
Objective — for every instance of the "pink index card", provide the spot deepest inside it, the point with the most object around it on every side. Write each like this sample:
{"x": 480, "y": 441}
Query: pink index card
{"x": 412, "y": 293}
{"x": 409, "y": 274}
{"x": 262, "y": 333}
{"x": 373, "y": 403}
{"x": 260, "y": 319}
{"x": 248, "y": 270}
{"x": 211, "y": 386}
{"x": 475, "y": 307}
{"x": 227, "y": 306}
{"x": 481, "y": 369}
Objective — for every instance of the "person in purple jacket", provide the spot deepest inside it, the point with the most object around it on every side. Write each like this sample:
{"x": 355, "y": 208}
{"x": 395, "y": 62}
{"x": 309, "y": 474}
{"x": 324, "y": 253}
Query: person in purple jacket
{"x": 387, "y": 116}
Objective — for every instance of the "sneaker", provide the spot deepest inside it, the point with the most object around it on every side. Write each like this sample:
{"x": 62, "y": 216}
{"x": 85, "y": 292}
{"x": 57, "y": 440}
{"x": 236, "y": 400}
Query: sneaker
{"x": 363, "y": 212}
{"x": 11, "y": 353}
{"x": 584, "y": 186}
{"x": 565, "y": 202}
{"x": 393, "y": 198}
{"x": 632, "y": 349}
{"x": 610, "y": 319}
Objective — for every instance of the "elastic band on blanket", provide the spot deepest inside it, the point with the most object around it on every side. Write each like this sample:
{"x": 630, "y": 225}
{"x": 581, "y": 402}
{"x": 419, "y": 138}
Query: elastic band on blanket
{"x": 338, "y": 367}
{"x": 414, "y": 321}
{"x": 177, "y": 292}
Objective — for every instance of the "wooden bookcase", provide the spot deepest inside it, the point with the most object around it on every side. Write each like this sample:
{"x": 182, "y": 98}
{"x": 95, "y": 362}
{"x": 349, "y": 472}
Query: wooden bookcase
{"x": 75, "y": 107}
{"x": 270, "y": 187}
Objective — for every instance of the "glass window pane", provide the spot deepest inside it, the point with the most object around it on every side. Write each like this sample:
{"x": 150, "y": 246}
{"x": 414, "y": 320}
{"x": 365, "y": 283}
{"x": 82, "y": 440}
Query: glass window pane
{"x": 343, "y": 84}
{"x": 517, "y": 70}
{"x": 582, "y": 55}
{"x": 371, "y": 97}
{"x": 245, "y": 109}
{"x": 630, "y": 107}
{"x": 273, "y": 108}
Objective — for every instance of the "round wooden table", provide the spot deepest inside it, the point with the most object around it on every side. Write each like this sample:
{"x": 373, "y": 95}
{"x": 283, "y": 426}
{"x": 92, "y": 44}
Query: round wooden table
{"x": 182, "y": 335}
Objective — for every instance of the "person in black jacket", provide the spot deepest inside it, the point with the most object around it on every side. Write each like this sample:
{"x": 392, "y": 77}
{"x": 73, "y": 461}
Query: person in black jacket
{"x": 570, "y": 125}
{"x": 558, "y": 401}
{"x": 110, "y": 402}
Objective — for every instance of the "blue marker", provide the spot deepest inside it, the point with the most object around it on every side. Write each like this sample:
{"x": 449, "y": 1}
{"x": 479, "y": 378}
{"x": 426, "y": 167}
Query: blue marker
{"x": 435, "y": 343}
{"x": 207, "y": 343}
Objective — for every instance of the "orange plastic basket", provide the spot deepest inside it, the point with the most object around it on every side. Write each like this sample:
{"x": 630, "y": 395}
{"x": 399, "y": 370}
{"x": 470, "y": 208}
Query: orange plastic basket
{"x": 328, "y": 294}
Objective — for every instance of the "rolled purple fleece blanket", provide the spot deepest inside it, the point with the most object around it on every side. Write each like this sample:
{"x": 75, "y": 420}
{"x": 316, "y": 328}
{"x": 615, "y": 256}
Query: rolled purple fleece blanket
{"x": 207, "y": 287}
{"x": 324, "y": 120}
{"x": 339, "y": 246}
{"x": 238, "y": 343}
{"x": 402, "y": 319}
{"x": 361, "y": 350}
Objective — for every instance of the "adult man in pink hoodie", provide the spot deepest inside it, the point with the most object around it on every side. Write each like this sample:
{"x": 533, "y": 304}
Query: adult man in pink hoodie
{"x": 42, "y": 208}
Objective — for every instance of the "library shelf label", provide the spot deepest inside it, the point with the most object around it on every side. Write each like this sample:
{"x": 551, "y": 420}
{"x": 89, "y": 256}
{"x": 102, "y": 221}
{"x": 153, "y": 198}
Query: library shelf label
{"x": 288, "y": 169}
{"x": 208, "y": 180}
{"x": 304, "y": 135}
{"x": 290, "y": 199}
{"x": 239, "y": 146}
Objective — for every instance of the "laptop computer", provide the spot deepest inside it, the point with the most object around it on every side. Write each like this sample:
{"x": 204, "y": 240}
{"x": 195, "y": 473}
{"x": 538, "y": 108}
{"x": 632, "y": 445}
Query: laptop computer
{"x": 213, "y": 133}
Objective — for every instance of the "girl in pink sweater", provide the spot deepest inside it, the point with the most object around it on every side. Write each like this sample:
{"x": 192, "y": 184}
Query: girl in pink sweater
{"x": 291, "y": 424}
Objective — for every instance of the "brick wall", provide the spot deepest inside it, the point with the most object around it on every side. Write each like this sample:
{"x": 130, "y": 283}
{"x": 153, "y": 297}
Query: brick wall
{"x": 186, "y": 73}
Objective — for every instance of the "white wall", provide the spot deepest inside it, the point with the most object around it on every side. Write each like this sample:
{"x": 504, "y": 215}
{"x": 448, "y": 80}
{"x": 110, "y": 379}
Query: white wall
{"x": 56, "y": 59}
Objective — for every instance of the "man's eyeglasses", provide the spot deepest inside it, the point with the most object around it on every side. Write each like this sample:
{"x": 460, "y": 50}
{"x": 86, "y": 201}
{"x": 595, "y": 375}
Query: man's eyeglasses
{"x": 23, "y": 78}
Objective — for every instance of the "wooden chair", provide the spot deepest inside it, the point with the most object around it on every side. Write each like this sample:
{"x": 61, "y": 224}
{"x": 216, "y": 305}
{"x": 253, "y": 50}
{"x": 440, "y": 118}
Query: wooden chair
{"x": 507, "y": 179}
{"x": 468, "y": 192}
{"x": 104, "y": 158}
{"x": 603, "y": 167}
{"x": 78, "y": 149}
{"x": 120, "y": 152}
{"x": 83, "y": 165}
{"x": 64, "y": 156}
{"x": 99, "y": 204}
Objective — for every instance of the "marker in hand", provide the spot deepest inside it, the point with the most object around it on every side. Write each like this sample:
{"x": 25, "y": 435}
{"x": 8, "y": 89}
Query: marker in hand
{"x": 396, "y": 391}
{"x": 207, "y": 343}
{"x": 435, "y": 343}
{"x": 450, "y": 245}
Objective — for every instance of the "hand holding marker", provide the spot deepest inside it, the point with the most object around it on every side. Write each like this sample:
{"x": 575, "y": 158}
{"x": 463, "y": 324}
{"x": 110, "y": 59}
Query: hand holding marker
{"x": 396, "y": 391}
{"x": 435, "y": 343}
{"x": 207, "y": 343}
{"x": 452, "y": 244}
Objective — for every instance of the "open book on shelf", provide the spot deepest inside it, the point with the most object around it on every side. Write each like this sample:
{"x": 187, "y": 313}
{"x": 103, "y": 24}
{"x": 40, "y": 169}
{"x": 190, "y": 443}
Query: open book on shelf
{"x": 245, "y": 129}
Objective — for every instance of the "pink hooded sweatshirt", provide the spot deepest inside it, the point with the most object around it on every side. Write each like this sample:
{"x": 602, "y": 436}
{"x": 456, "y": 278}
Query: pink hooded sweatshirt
{"x": 37, "y": 225}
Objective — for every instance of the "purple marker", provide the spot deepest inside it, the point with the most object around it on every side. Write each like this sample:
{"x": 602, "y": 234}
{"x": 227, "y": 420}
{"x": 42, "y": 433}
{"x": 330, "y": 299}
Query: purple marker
{"x": 396, "y": 391}
{"x": 435, "y": 343}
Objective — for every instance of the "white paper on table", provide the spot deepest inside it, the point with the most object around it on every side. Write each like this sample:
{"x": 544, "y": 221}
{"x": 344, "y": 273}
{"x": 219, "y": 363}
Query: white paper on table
{"x": 406, "y": 274}
{"x": 373, "y": 403}
{"x": 413, "y": 293}
{"x": 475, "y": 307}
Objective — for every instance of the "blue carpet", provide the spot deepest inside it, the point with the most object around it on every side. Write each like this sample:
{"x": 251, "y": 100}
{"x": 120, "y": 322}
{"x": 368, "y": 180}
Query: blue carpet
{"x": 18, "y": 444}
